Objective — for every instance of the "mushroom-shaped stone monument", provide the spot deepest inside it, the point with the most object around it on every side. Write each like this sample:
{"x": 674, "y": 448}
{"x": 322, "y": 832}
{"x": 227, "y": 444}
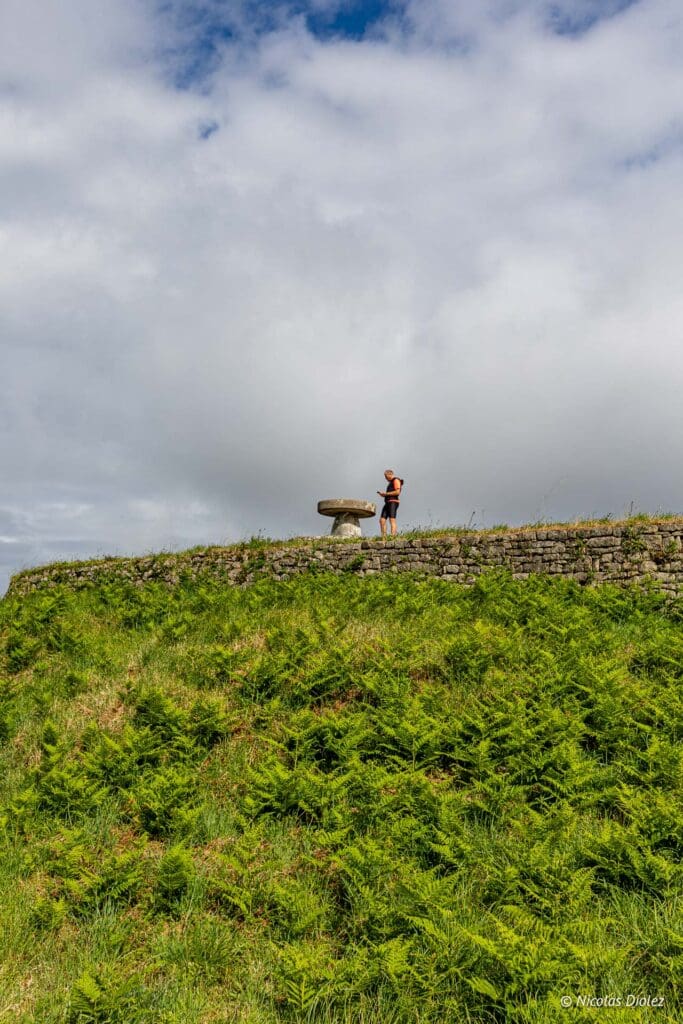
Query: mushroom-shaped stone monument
{"x": 347, "y": 514}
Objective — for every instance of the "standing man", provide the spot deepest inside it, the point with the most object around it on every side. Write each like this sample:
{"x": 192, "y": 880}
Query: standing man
{"x": 391, "y": 500}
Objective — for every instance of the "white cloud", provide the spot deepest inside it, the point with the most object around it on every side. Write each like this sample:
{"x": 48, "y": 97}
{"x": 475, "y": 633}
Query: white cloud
{"x": 462, "y": 261}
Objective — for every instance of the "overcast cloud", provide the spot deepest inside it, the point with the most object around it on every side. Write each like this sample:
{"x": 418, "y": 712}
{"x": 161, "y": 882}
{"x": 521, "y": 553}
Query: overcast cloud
{"x": 245, "y": 265}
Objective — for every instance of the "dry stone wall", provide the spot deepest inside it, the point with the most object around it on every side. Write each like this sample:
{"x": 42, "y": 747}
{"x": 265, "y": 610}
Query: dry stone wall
{"x": 629, "y": 552}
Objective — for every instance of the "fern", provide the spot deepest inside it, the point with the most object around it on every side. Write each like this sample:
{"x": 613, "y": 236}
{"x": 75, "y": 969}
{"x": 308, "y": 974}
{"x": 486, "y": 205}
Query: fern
{"x": 163, "y": 802}
{"x": 304, "y": 978}
{"x": 96, "y": 999}
{"x": 175, "y": 875}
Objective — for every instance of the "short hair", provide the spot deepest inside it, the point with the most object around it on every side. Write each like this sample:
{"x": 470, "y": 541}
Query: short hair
{"x": 389, "y": 471}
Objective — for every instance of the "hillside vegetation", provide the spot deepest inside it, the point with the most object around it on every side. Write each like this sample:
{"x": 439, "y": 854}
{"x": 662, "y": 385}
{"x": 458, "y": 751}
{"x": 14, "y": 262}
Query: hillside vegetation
{"x": 337, "y": 799}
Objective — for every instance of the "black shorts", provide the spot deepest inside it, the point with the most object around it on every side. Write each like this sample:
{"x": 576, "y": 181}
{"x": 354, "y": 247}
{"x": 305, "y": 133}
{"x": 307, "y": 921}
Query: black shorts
{"x": 389, "y": 510}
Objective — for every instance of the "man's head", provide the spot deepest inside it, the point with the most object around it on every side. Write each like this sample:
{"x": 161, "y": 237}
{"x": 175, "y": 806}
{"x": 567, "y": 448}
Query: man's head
{"x": 389, "y": 474}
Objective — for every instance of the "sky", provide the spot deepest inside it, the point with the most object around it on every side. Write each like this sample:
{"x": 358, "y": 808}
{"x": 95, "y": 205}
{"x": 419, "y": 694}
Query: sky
{"x": 253, "y": 254}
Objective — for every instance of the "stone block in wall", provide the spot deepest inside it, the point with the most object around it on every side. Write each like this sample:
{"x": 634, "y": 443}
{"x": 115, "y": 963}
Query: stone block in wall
{"x": 593, "y": 543}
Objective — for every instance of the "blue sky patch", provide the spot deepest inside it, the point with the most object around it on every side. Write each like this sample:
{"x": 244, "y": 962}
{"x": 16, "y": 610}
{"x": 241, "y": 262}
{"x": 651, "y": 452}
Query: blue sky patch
{"x": 207, "y": 129}
{"x": 352, "y": 19}
{"x": 577, "y": 19}
{"x": 669, "y": 146}
{"x": 204, "y": 27}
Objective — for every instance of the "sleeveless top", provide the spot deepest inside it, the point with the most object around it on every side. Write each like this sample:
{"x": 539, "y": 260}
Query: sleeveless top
{"x": 392, "y": 487}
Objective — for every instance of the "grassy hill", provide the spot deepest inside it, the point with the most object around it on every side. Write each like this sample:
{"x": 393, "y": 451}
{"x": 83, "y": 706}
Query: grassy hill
{"x": 335, "y": 799}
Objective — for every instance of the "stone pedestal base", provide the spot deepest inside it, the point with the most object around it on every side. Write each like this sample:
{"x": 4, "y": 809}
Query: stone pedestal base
{"x": 346, "y": 525}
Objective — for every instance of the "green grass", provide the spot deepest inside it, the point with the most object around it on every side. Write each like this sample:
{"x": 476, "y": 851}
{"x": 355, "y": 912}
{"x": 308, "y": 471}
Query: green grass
{"x": 340, "y": 800}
